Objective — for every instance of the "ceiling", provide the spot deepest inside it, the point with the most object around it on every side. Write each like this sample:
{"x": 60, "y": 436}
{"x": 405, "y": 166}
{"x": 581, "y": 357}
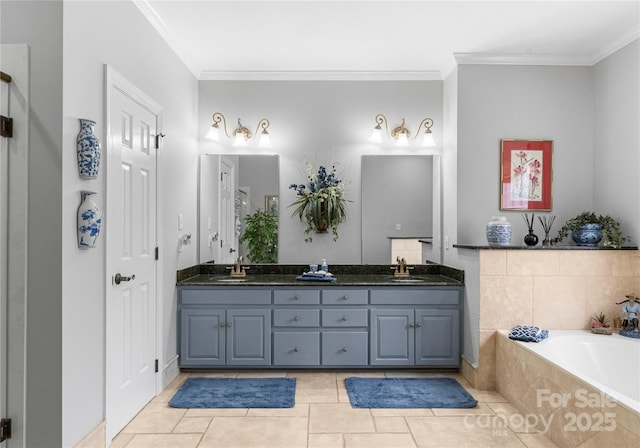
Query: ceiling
{"x": 330, "y": 39}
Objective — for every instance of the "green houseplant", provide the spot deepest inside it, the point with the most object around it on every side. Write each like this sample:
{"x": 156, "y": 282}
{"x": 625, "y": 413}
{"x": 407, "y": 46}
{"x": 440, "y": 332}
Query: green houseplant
{"x": 261, "y": 236}
{"x": 609, "y": 228}
{"x": 321, "y": 202}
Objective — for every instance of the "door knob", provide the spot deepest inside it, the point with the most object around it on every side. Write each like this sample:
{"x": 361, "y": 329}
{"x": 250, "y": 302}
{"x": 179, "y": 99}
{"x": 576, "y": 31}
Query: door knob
{"x": 121, "y": 278}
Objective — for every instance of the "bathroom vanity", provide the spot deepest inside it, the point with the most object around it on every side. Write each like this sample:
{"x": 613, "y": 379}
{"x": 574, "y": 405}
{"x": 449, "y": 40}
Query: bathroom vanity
{"x": 362, "y": 320}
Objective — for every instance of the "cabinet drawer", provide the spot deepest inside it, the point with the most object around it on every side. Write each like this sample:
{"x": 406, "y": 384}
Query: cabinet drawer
{"x": 296, "y": 318}
{"x": 296, "y": 348}
{"x": 234, "y": 296}
{"x": 296, "y": 296}
{"x": 393, "y": 296}
{"x": 345, "y": 296}
{"x": 344, "y": 348}
{"x": 344, "y": 318}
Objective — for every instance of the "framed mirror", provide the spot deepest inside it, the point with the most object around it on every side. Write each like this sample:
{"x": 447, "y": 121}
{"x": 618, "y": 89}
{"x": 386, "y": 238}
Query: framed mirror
{"x": 397, "y": 207}
{"x": 235, "y": 192}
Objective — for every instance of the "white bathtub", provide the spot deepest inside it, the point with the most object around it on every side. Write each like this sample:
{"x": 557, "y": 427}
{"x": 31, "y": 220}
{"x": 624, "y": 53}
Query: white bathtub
{"x": 609, "y": 363}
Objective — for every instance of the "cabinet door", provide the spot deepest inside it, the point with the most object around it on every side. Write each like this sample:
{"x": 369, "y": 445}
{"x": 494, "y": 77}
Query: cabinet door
{"x": 248, "y": 337}
{"x": 202, "y": 337}
{"x": 392, "y": 337}
{"x": 438, "y": 337}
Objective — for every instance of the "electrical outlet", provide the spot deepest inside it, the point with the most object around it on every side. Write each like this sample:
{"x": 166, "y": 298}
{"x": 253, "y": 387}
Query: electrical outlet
{"x": 180, "y": 221}
{"x": 398, "y": 226}
{"x": 446, "y": 242}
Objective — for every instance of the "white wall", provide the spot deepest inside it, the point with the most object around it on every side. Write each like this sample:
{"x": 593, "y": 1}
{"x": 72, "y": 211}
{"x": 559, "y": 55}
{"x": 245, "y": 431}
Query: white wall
{"x": 616, "y": 138}
{"x": 136, "y": 51}
{"x": 321, "y": 122}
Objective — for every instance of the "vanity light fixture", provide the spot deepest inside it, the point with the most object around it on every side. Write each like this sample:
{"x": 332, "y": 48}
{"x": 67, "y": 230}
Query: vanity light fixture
{"x": 241, "y": 135}
{"x": 401, "y": 133}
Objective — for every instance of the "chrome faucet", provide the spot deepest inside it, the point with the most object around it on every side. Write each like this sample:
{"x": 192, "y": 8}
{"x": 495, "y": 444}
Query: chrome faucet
{"x": 237, "y": 270}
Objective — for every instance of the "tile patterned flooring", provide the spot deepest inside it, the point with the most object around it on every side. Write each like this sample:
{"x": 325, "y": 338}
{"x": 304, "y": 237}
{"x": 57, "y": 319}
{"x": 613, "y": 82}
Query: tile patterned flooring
{"x": 323, "y": 417}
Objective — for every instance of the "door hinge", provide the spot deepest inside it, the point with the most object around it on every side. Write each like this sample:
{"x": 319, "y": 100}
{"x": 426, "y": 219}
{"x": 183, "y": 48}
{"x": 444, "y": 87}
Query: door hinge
{"x": 158, "y": 140}
{"x": 6, "y": 126}
{"x": 157, "y": 253}
{"x": 5, "y": 429}
{"x": 157, "y": 366}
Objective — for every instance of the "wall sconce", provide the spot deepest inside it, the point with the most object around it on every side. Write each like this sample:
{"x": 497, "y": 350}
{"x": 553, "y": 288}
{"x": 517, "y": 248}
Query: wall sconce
{"x": 401, "y": 133}
{"x": 241, "y": 135}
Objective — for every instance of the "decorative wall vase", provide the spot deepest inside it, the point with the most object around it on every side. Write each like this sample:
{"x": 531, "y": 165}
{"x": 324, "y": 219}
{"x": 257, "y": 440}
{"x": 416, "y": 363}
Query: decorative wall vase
{"x": 88, "y": 147}
{"x": 531, "y": 239}
{"x": 589, "y": 235}
{"x": 89, "y": 220}
{"x": 499, "y": 231}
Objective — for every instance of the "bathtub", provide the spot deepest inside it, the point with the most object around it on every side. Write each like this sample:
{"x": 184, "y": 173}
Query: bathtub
{"x": 578, "y": 388}
{"x": 609, "y": 363}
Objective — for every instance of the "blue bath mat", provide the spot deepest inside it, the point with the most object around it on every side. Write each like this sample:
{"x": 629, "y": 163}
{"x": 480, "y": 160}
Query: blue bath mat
{"x": 235, "y": 393}
{"x": 408, "y": 393}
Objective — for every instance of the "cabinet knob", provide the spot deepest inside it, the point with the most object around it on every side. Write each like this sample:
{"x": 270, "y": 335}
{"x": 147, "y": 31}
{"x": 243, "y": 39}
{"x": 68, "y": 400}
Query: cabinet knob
{"x": 411, "y": 325}
{"x": 296, "y": 297}
{"x": 222, "y": 324}
{"x": 296, "y": 318}
{"x": 344, "y": 349}
{"x": 296, "y": 349}
{"x": 228, "y": 324}
{"x": 418, "y": 325}
{"x": 344, "y": 297}
{"x": 344, "y": 318}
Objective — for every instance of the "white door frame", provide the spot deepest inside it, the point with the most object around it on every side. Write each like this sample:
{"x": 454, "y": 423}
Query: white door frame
{"x": 15, "y": 62}
{"x": 113, "y": 79}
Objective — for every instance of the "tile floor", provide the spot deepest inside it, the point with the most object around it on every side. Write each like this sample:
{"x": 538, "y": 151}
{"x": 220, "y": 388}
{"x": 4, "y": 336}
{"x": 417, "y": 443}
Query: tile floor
{"x": 323, "y": 418}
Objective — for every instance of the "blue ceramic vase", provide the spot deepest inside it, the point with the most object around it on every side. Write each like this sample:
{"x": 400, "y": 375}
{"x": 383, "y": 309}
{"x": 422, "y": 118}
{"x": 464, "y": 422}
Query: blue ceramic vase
{"x": 499, "y": 231}
{"x": 589, "y": 235}
{"x": 89, "y": 221}
{"x": 88, "y": 147}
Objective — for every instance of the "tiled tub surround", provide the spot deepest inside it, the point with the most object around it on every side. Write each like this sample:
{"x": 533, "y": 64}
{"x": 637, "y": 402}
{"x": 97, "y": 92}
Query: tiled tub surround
{"x": 552, "y": 289}
{"x": 559, "y": 404}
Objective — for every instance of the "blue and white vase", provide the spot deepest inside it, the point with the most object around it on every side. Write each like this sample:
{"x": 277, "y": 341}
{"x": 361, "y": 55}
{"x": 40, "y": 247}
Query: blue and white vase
{"x": 89, "y": 220}
{"x": 499, "y": 231}
{"x": 88, "y": 150}
{"x": 589, "y": 235}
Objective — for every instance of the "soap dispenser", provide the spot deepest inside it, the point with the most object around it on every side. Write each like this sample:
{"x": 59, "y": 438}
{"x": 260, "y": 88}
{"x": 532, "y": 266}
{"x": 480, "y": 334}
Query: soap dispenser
{"x": 323, "y": 265}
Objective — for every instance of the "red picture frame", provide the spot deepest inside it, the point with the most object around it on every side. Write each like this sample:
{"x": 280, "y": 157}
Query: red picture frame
{"x": 526, "y": 174}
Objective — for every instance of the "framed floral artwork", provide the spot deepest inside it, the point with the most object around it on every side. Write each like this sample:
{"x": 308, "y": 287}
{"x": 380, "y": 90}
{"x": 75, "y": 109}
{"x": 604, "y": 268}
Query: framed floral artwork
{"x": 271, "y": 204}
{"x": 526, "y": 174}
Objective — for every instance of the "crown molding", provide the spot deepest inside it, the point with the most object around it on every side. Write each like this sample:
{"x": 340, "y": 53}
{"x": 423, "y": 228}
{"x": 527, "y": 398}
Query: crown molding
{"x": 625, "y": 39}
{"x": 519, "y": 59}
{"x": 156, "y": 22}
{"x": 320, "y": 75}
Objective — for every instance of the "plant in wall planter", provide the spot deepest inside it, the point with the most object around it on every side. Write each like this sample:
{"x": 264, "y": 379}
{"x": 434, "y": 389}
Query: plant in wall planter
{"x": 588, "y": 229}
{"x": 261, "y": 236}
{"x": 321, "y": 202}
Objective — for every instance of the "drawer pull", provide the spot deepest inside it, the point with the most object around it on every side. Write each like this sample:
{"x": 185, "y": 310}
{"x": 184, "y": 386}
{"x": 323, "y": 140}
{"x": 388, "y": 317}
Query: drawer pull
{"x": 296, "y": 318}
{"x": 344, "y": 318}
{"x": 344, "y": 297}
{"x": 344, "y": 349}
{"x": 296, "y": 297}
{"x": 296, "y": 349}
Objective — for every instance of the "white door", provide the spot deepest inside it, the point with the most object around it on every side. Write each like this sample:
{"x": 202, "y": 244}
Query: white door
{"x": 133, "y": 122}
{"x": 4, "y": 207}
{"x": 228, "y": 237}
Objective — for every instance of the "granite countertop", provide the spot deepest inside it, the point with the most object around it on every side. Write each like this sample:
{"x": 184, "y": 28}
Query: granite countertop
{"x": 540, "y": 247}
{"x": 346, "y": 275}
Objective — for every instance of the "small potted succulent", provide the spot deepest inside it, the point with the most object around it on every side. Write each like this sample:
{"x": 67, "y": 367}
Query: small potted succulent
{"x": 600, "y": 324}
{"x": 588, "y": 229}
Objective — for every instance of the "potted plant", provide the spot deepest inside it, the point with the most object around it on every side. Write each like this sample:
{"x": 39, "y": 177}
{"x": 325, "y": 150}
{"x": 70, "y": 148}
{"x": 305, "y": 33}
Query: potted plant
{"x": 321, "y": 202}
{"x": 261, "y": 236}
{"x": 600, "y": 324}
{"x": 588, "y": 229}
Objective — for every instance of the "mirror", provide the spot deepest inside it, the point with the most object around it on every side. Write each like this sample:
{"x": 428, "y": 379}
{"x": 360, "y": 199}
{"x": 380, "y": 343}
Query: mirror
{"x": 230, "y": 188}
{"x": 397, "y": 207}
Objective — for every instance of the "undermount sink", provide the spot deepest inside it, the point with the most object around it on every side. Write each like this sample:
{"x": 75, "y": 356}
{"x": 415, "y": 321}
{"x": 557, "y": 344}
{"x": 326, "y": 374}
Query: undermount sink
{"x": 407, "y": 280}
{"x": 229, "y": 279}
